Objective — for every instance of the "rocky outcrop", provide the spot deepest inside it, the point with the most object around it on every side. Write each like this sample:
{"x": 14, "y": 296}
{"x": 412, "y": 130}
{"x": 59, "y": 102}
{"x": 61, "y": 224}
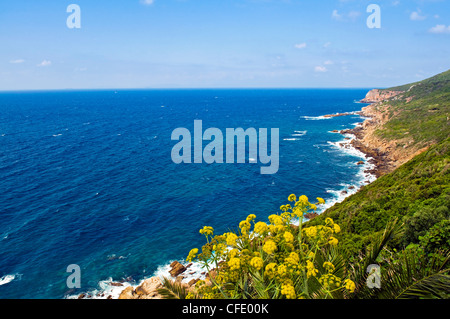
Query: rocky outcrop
{"x": 148, "y": 289}
{"x": 374, "y": 96}
{"x": 386, "y": 154}
{"x": 177, "y": 269}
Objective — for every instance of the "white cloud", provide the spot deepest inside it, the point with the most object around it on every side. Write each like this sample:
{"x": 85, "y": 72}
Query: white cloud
{"x": 320, "y": 68}
{"x": 336, "y": 16}
{"x": 326, "y": 45}
{"x": 301, "y": 45}
{"x": 416, "y": 16}
{"x": 17, "y": 61}
{"x": 147, "y": 2}
{"x": 328, "y": 62}
{"x": 45, "y": 63}
{"x": 352, "y": 15}
{"x": 440, "y": 29}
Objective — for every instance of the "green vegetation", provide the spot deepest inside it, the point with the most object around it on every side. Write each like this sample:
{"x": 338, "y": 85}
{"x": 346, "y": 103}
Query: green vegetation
{"x": 400, "y": 222}
{"x": 418, "y": 193}
{"x": 421, "y": 113}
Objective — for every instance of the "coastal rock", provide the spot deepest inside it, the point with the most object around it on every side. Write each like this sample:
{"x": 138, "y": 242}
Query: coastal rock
{"x": 376, "y": 95}
{"x": 360, "y": 163}
{"x": 127, "y": 293}
{"x": 176, "y": 269}
{"x": 148, "y": 289}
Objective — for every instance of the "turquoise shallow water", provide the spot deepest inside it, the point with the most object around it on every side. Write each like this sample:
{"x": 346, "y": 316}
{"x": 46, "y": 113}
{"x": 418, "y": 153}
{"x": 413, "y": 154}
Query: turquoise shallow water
{"x": 86, "y": 177}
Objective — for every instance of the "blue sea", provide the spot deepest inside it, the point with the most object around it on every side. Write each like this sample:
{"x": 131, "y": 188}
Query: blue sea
{"x": 87, "y": 178}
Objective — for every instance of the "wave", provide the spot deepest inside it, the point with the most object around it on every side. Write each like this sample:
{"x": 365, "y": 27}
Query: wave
{"x": 315, "y": 118}
{"x": 8, "y": 278}
{"x": 363, "y": 176}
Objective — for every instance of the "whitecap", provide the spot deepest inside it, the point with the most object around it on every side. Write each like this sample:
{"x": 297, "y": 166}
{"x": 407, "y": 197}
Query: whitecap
{"x": 6, "y": 279}
{"x": 316, "y": 118}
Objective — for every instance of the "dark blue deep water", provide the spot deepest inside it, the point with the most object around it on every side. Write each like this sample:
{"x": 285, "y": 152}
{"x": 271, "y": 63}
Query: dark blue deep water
{"x": 86, "y": 177}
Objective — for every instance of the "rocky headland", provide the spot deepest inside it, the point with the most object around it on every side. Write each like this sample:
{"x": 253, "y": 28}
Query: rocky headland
{"x": 385, "y": 154}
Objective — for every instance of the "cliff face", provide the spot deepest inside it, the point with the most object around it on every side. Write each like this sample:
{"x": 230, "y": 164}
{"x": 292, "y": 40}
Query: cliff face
{"x": 388, "y": 154}
{"x": 376, "y": 95}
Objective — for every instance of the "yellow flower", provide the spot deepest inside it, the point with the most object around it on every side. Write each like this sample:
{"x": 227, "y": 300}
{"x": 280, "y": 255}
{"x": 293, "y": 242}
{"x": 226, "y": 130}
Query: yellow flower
{"x": 328, "y": 220}
{"x": 192, "y": 254}
{"x": 206, "y": 230}
{"x": 312, "y": 206}
{"x": 234, "y": 263}
{"x": 288, "y": 237}
{"x": 320, "y": 200}
{"x": 292, "y": 198}
{"x": 310, "y": 269}
{"x": 311, "y": 232}
{"x": 231, "y": 239}
{"x": 251, "y": 217}
{"x": 329, "y": 281}
{"x": 276, "y": 219}
{"x": 233, "y": 253}
{"x": 257, "y": 263}
{"x": 336, "y": 228}
{"x": 270, "y": 247}
{"x": 260, "y": 228}
{"x": 349, "y": 285}
{"x": 288, "y": 290}
{"x": 282, "y": 270}
{"x": 303, "y": 200}
{"x": 293, "y": 259}
{"x": 329, "y": 267}
{"x": 244, "y": 226}
{"x": 270, "y": 270}
{"x": 333, "y": 241}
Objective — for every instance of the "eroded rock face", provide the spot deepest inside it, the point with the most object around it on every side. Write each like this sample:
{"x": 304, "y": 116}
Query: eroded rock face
{"x": 148, "y": 289}
{"x": 374, "y": 96}
{"x": 177, "y": 269}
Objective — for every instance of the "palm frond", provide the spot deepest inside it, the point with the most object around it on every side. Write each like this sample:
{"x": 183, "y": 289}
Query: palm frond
{"x": 172, "y": 289}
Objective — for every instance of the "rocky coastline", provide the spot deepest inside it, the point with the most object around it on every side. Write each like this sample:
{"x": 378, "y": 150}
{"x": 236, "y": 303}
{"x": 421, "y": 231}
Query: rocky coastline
{"x": 383, "y": 155}
{"x": 386, "y": 155}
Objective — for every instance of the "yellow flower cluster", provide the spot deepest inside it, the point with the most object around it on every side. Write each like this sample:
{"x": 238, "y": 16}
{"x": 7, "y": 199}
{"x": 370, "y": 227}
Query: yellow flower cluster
{"x": 231, "y": 239}
{"x": 270, "y": 247}
{"x": 207, "y": 230}
{"x": 257, "y": 263}
{"x": 234, "y": 263}
{"x": 288, "y": 290}
{"x": 192, "y": 254}
{"x": 330, "y": 281}
{"x": 288, "y": 237}
{"x": 311, "y": 270}
{"x": 349, "y": 285}
{"x": 272, "y": 257}
{"x": 260, "y": 228}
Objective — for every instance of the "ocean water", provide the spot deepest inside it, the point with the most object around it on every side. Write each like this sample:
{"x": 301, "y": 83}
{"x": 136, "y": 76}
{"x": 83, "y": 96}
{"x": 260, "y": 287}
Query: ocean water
{"x": 86, "y": 177}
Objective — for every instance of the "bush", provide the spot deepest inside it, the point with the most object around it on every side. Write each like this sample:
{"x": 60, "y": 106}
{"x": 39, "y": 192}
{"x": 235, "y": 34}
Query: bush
{"x": 274, "y": 260}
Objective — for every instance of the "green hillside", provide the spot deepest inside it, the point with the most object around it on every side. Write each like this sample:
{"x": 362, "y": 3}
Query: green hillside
{"x": 421, "y": 114}
{"x": 418, "y": 193}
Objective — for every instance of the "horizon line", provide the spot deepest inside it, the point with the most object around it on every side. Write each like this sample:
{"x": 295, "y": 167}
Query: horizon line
{"x": 187, "y": 88}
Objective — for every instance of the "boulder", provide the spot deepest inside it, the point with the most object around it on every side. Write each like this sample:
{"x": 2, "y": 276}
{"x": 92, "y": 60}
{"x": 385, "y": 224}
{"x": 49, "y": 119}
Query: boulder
{"x": 127, "y": 293}
{"x": 176, "y": 269}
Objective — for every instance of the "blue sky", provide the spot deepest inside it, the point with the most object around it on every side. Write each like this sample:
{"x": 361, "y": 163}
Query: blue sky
{"x": 221, "y": 44}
